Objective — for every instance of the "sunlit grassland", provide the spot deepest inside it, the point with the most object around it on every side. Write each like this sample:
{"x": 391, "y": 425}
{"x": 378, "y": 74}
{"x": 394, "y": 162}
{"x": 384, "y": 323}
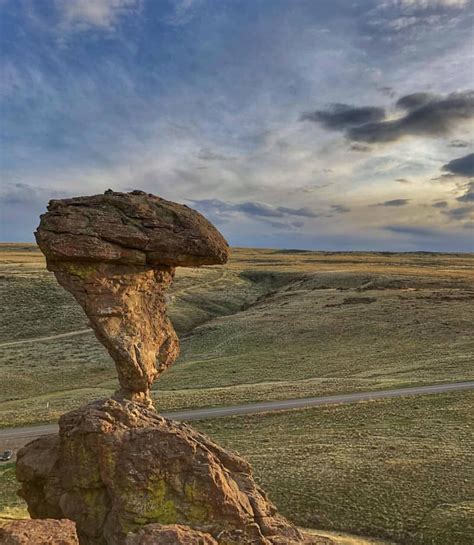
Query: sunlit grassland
{"x": 399, "y": 468}
{"x": 270, "y": 325}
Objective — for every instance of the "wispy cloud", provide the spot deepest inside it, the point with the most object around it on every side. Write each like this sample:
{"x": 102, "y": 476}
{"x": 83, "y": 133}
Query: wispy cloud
{"x": 77, "y": 15}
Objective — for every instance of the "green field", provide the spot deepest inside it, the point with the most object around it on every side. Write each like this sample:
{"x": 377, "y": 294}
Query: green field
{"x": 277, "y": 325}
{"x": 270, "y": 325}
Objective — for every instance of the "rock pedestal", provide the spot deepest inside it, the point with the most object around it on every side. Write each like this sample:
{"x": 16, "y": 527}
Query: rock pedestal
{"x": 117, "y": 466}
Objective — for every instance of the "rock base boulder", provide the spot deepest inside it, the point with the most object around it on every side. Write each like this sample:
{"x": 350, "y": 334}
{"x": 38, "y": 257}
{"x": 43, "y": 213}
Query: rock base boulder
{"x": 117, "y": 466}
{"x": 39, "y": 532}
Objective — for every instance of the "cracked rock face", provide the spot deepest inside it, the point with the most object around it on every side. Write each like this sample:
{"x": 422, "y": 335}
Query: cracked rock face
{"x": 39, "y": 532}
{"x": 121, "y": 472}
{"x": 117, "y": 467}
{"x": 116, "y": 254}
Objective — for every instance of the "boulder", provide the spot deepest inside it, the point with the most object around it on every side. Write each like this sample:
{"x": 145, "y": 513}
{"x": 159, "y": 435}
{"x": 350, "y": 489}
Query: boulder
{"x": 171, "y": 534}
{"x": 39, "y": 532}
{"x": 120, "y": 466}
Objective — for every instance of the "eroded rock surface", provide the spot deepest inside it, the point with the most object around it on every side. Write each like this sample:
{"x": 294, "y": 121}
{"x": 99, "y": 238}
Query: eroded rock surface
{"x": 116, "y": 254}
{"x": 157, "y": 534}
{"x": 39, "y": 532}
{"x": 118, "y": 466}
{"x": 121, "y": 472}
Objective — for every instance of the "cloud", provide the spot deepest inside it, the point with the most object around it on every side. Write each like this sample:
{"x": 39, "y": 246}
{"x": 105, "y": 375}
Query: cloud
{"x": 415, "y": 100}
{"x": 462, "y": 166}
{"x": 340, "y": 209}
{"x": 426, "y": 115}
{"x": 206, "y": 154}
{"x": 438, "y": 117}
{"x": 425, "y": 4}
{"x": 364, "y": 148}
{"x": 254, "y": 209}
{"x": 460, "y": 213}
{"x": 440, "y": 204}
{"x": 395, "y": 202}
{"x": 183, "y": 12}
{"x": 342, "y": 116}
{"x": 305, "y": 212}
{"x": 403, "y": 181}
{"x": 412, "y": 230}
{"x": 85, "y": 14}
{"x": 468, "y": 196}
{"x": 459, "y": 144}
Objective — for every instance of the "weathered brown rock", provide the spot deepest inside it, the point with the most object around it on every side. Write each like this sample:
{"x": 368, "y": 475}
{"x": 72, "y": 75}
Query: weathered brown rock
{"x": 122, "y": 473}
{"x": 171, "y": 534}
{"x": 39, "y": 532}
{"x": 120, "y": 466}
{"x": 116, "y": 254}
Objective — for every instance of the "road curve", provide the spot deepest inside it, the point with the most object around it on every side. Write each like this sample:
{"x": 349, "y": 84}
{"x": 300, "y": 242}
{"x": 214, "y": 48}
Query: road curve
{"x": 267, "y": 406}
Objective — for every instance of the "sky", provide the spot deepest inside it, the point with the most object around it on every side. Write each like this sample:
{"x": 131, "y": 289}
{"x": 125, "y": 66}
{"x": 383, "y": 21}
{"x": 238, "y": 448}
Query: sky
{"x": 326, "y": 125}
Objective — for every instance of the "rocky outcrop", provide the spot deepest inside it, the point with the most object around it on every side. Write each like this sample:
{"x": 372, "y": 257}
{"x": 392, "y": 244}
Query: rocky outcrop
{"x": 116, "y": 254}
{"x": 118, "y": 466}
{"x": 121, "y": 472}
{"x": 157, "y": 534}
{"x": 39, "y": 532}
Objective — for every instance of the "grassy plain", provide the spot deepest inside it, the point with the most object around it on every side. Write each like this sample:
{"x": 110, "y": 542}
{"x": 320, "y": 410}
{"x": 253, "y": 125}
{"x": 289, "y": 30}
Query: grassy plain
{"x": 400, "y": 468}
{"x": 281, "y": 324}
{"x": 270, "y": 325}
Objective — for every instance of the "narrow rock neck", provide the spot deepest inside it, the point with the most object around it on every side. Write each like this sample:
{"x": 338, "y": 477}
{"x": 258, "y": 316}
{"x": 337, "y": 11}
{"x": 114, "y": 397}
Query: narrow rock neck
{"x": 126, "y": 308}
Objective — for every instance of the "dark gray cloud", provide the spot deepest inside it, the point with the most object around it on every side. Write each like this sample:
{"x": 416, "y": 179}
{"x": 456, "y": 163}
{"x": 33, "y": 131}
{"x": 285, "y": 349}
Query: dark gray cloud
{"x": 440, "y": 204}
{"x": 459, "y": 144}
{"x": 403, "y": 181}
{"x": 255, "y": 209}
{"x": 356, "y": 146}
{"x": 468, "y": 196}
{"x": 426, "y": 114}
{"x": 415, "y": 100}
{"x": 206, "y": 154}
{"x": 395, "y": 202}
{"x": 343, "y": 116}
{"x": 411, "y": 230}
{"x": 340, "y": 209}
{"x": 462, "y": 166}
{"x": 461, "y": 213}
{"x": 438, "y": 117}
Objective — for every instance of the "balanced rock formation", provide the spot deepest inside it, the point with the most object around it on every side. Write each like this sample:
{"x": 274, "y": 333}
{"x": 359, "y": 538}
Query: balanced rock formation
{"x": 121, "y": 472}
{"x": 116, "y": 254}
{"x": 39, "y": 532}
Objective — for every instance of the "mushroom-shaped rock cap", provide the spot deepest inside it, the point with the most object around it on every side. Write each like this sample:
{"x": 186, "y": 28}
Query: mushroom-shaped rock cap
{"x": 135, "y": 228}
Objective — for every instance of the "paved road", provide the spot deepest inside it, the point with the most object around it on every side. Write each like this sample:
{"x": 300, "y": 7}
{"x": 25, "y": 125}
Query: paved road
{"x": 268, "y": 406}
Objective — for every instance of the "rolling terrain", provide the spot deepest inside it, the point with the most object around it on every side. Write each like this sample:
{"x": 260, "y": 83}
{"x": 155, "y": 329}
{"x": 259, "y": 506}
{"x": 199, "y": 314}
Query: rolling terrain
{"x": 275, "y": 325}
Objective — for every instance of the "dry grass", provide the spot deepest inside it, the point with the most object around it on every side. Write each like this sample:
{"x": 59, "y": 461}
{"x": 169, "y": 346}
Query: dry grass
{"x": 400, "y": 469}
{"x": 271, "y": 325}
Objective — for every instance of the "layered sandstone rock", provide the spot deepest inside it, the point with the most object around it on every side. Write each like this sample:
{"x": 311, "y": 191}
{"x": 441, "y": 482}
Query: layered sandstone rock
{"x": 116, "y": 254}
{"x": 118, "y": 466}
{"x": 39, "y": 532}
